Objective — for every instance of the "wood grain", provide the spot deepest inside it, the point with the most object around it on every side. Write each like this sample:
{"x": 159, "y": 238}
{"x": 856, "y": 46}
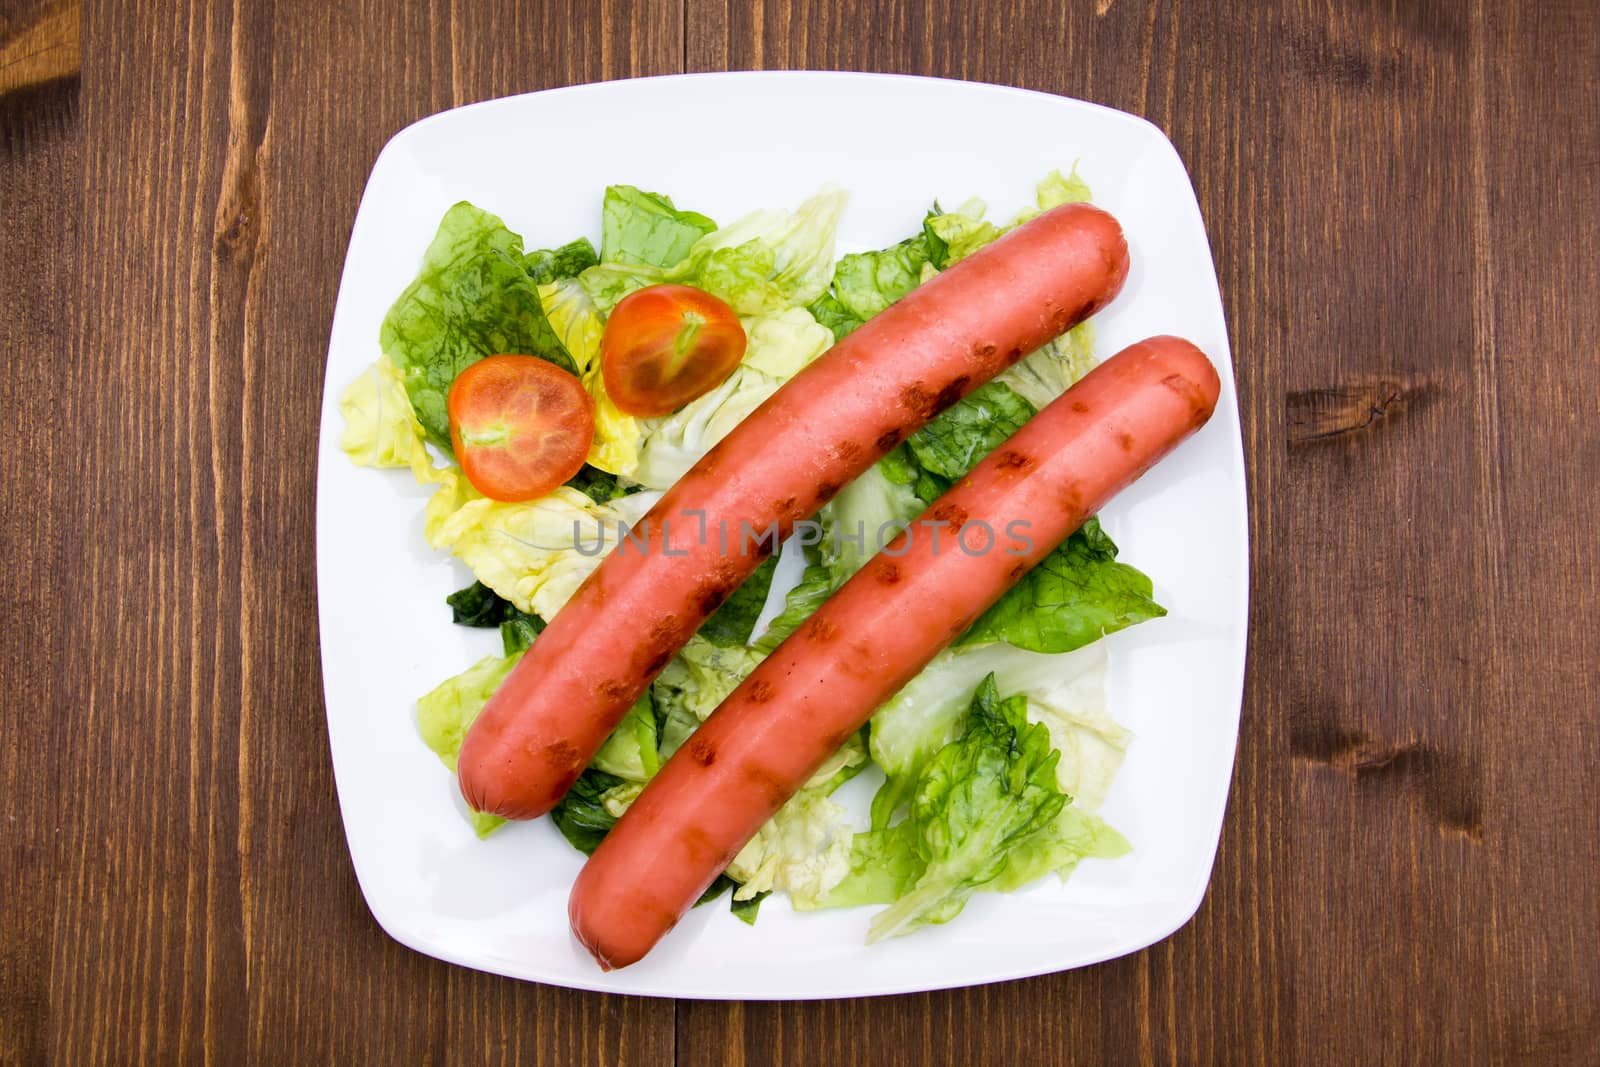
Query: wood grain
{"x": 1401, "y": 205}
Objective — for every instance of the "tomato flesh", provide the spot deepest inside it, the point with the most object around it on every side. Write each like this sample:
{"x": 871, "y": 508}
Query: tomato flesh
{"x": 520, "y": 426}
{"x": 665, "y": 345}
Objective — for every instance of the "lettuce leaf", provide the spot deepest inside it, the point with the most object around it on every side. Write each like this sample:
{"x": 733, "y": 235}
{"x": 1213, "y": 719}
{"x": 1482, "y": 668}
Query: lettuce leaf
{"x": 570, "y": 260}
{"x": 928, "y": 713}
{"x": 962, "y": 231}
{"x": 1076, "y": 595}
{"x": 445, "y": 713}
{"x": 861, "y": 519}
{"x": 380, "y": 427}
{"x": 763, "y": 263}
{"x": 816, "y": 585}
{"x": 989, "y": 811}
{"x": 582, "y": 815}
{"x": 1075, "y": 835}
{"x": 697, "y": 679}
{"x": 478, "y": 605}
{"x": 631, "y": 752}
{"x": 472, "y": 298}
{"x": 534, "y": 554}
{"x": 732, "y": 623}
{"x": 645, "y": 228}
{"x": 575, "y": 320}
{"x": 979, "y": 797}
{"x": 954, "y": 442}
{"x": 803, "y": 850}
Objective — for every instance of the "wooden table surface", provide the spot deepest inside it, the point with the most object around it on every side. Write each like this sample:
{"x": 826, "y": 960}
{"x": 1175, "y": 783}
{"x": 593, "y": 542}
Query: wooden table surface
{"x": 1404, "y": 204}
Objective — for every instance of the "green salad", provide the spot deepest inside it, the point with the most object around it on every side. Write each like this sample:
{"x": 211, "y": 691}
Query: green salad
{"x": 992, "y": 761}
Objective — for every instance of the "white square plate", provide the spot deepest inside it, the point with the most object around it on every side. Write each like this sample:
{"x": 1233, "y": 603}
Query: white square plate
{"x": 725, "y": 144}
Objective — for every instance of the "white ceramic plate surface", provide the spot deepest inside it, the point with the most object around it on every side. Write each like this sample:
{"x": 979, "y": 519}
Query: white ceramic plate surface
{"x": 755, "y": 140}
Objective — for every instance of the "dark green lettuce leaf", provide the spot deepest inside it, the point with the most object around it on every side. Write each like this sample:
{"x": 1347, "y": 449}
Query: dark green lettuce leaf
{"x": 581, "y": 815}
{"x": 745, "y": 910}
{"x": 645, "y": 228}
{"x": 478, "y": 605}
{"x": 570, "y": 260}
{"x": 598, "y": 485}
{"x": 954, "y": 442}
{"x": 1077, "y": 594}
{"x": 732, "y": 623}
{"x": 472, "y": 298}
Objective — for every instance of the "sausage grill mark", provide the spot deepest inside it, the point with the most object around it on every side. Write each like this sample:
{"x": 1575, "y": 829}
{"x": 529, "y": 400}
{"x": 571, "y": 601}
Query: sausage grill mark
{"x": 562, "y": 756}
{"x": 702, "y": 751}
{"x": 950, "y": 393}
{"x": 821, "y": 629}
{"x": 1012, "y": 460}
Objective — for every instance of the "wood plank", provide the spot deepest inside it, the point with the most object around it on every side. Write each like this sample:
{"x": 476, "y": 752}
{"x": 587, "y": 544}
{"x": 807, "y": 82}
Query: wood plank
{"x": 206, "y": 907}
{"x": 1218, "y": 989}
{"x": 1393, "y": 581}
{"x": 40, "y": 201}
{"x": 1536, "y": 156}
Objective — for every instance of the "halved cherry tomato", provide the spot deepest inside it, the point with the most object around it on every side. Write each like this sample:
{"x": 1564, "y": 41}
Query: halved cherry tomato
{"x": 520, "y": 426}
{"x": 665, "y": 345}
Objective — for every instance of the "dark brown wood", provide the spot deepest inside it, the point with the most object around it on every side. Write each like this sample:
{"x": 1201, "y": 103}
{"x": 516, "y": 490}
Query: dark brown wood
{"x": 1401, "y": 205}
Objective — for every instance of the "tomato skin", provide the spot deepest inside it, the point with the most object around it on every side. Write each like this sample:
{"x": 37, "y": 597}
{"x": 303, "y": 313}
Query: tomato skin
{"x": 665, "y": 345}
{"x": 520, "y": 426}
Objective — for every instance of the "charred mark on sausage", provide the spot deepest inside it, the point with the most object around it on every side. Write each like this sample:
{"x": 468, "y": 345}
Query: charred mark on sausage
{"x": 950, "y": 393}
{"x": 1012, "y": 460}
{"x": 820, "y": 629}
{"x": 562, "y": 756}
{"x": 702, "y": 751}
